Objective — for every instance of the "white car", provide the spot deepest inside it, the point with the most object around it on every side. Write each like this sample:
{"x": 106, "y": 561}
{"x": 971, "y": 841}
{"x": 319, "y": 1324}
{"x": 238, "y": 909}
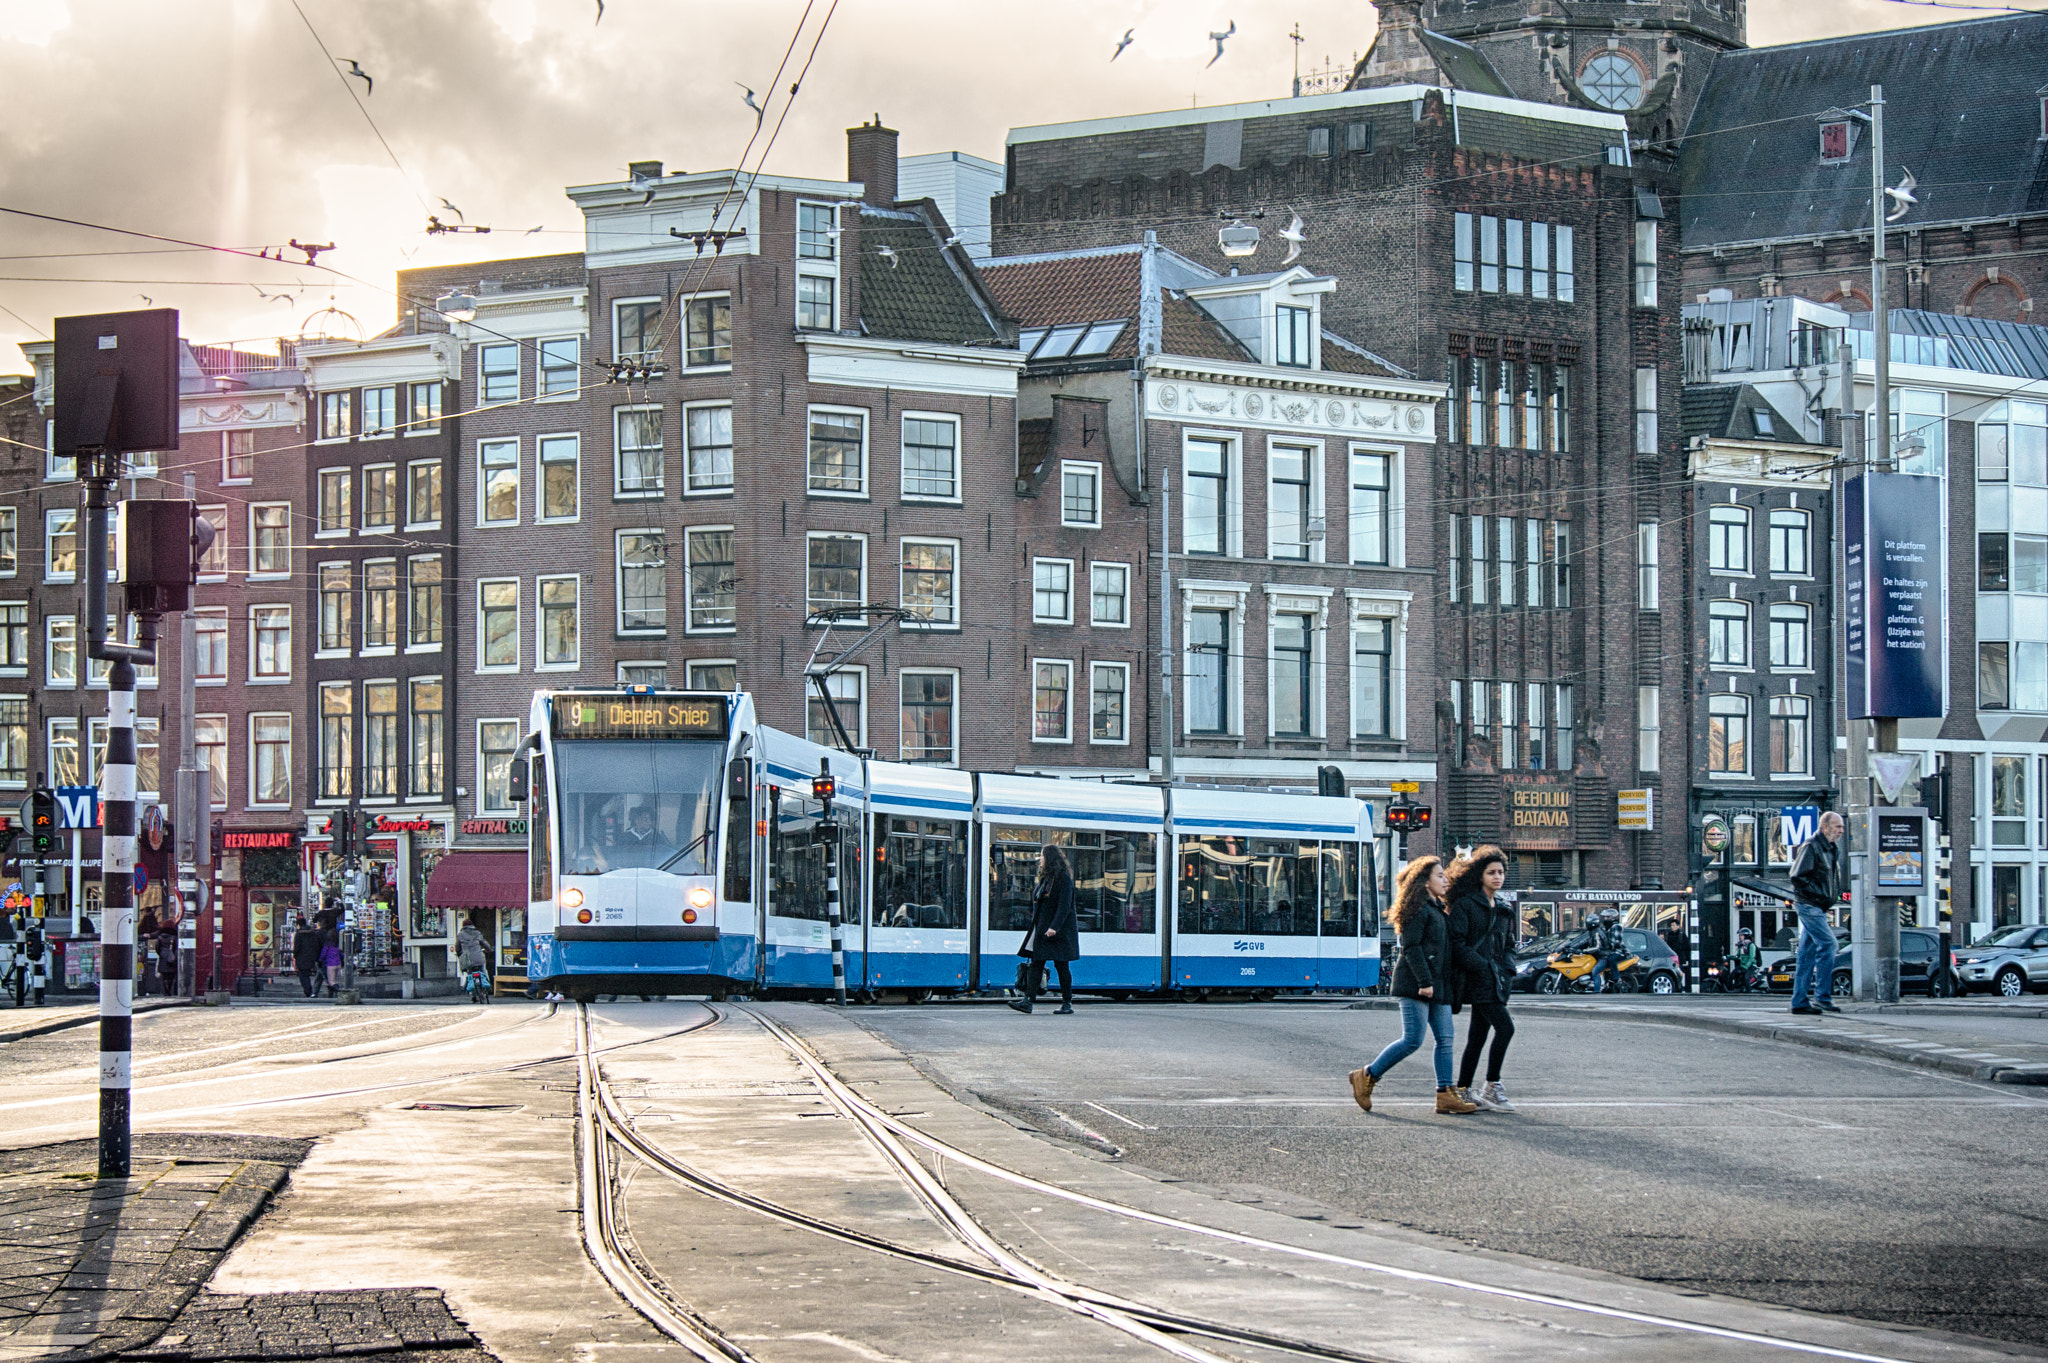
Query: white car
{"x": 2009, "y": 962}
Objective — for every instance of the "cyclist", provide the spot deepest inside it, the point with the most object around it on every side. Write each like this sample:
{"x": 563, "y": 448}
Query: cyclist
{"x": 469, "y": 946}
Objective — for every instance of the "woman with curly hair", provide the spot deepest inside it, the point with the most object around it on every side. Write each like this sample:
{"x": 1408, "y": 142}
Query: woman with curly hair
{"x": 1482, "y": 929}
{"x": 1420, "y": 982}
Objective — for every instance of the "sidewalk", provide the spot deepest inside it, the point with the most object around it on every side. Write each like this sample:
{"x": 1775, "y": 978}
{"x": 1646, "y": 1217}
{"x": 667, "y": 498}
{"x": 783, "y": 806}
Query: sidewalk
{"x": 27, "y": 1022}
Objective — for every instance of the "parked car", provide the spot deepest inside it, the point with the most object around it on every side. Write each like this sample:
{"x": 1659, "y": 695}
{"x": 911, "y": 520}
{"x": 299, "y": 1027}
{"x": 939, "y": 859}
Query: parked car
{"x": 2010, "y": 961}
{"x": 1921, "y": 970}
{"x": 1657, "y": 970}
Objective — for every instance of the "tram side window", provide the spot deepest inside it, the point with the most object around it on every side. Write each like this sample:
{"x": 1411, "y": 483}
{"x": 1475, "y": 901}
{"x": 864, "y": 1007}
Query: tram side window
{"x": 540, "y": 859}
{"x": 739, "y": 846}
{"x": 1260, "y": 886}
{"x": 1340, "y": 891}
{"x": 796, "y": 856}
{"x": 921, "y": 881}
{"x": 1115, "y": 878}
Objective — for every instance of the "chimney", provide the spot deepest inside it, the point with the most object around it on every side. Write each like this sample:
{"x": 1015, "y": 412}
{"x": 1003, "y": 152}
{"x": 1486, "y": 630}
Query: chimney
{"x": 649, "y": 170}
{"x": 871, "y": 159}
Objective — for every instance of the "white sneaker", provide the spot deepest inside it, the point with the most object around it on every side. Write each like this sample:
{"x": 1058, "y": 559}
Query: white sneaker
{"x": 1495, "y": 1097}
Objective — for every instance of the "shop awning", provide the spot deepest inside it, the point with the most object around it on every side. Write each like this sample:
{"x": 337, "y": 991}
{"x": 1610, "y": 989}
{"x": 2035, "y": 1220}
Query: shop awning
{"x": 478, "y": 880}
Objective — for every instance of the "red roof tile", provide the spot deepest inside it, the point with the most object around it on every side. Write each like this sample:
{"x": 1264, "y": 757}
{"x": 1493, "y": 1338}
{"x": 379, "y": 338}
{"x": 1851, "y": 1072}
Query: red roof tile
{"x": 1090, "y": 288}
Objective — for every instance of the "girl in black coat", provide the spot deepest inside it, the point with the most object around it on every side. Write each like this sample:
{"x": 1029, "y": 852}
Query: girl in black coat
{"x": 1482, "y": 933}
{"x": 1422, "y": 982}
{"x": 1053, "y": 935}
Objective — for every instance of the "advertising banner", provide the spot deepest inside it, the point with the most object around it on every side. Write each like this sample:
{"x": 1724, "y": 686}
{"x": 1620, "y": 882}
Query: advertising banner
{"x": 1895, "y": 588}
{"x": 1901, "y": 852}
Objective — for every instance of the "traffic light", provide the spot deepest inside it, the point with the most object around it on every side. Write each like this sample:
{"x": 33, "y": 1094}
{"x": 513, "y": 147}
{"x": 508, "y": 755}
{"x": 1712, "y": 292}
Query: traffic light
{"x": 825, "y": 786}
{"x": 42, "y": 822}
{"x": 1330, "y": 780}
{"x": 1934, "y": 795}
{"x": 1419, "y": 816}
{"x": 1404, "y": 817}
{"x": 158, "y": 548}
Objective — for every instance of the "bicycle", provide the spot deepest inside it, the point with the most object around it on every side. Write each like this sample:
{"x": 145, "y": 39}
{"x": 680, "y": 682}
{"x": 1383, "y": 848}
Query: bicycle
{"x": 477, "y": 984}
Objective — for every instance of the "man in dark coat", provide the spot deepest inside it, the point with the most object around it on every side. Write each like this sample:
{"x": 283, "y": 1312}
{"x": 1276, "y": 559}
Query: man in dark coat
{"x": 1054, "y": 934}
{"x": 1817, "y": 887}
{"x": 306, "y": 944}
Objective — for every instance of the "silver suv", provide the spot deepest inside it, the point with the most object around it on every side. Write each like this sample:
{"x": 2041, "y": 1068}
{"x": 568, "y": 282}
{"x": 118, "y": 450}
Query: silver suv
{"x": 2009, "y": 962}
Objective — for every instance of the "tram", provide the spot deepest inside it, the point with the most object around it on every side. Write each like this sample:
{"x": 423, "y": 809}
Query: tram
{"x": 676, "y": 846}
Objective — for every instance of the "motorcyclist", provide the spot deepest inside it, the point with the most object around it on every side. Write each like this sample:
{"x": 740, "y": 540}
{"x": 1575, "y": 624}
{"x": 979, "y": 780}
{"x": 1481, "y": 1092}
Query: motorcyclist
{"x": 1607, "y": 950}
{"x": 1748, "y": 960}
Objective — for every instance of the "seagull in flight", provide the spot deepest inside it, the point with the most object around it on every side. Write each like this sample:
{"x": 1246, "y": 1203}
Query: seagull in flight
{"x": 355, "y": 68}
{"x": 1219, "y": 39}
{"x": 748, "y": 100}
{"x": 149, "y": 302}
{"x": 600, "y": 14}
{"x": 1292, "y": 235}
{"x": 1123, "y": 43}
{"x": 887, "y": 253}
{"x": 453, "y": 209}
{"x": 531, "y": 230}
{"x": 275, "y": 297}
{"x": 1902, "y": 198}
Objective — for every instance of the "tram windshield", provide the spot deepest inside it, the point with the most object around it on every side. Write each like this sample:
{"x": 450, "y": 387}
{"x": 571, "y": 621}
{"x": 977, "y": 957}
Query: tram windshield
{"x": 638, "y": 803}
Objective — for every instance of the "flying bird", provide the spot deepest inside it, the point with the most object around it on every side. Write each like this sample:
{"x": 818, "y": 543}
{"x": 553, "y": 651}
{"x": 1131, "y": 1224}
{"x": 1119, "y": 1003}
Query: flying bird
{"x": 1122, "y": 43}
{"x": 600, "y": 14}
{"x": 1902, "y": 198}
{"x": 887, "y": 253}
{"x": 1292, "y": 235}
{"x": 1220, "y": 39}
{"x": 453, "y": 209}
{"x": 531, "y": 230}
{"x": 950, "y": 242}
{"x": 748, "y": 100}
{"x": 275, "y": 297}
{"x": 151, "y": 302}
{"x": 355, "y": 68}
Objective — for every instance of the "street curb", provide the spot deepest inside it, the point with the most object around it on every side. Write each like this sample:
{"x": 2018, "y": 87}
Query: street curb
{"x": 1797, "y": 1035}
{"x": 66, "y": 1024}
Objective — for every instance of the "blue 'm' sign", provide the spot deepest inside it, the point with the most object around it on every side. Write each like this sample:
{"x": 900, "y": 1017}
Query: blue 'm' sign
{"x": 78, "y": 806}
{"x": 1798, "y": 824}
{"x": 1894, "y": 583}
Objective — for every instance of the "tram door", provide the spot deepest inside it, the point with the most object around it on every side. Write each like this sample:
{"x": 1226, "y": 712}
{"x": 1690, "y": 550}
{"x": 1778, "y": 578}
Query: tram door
{"x": 1340, "y": 947}
{"x": 797, "y": 945}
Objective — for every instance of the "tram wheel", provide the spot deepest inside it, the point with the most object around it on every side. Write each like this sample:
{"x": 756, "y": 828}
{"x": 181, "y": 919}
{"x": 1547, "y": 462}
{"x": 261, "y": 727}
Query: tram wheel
{"x": 1120, "y": 996}
{"x": 916, "y": 996}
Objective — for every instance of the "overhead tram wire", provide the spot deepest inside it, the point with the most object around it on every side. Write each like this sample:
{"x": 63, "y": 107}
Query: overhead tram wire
{"x": 362, "y": 108}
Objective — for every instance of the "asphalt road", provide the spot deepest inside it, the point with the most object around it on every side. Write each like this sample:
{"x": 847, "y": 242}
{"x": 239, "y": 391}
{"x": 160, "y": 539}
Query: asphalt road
{"x": 1695, "y": 1159}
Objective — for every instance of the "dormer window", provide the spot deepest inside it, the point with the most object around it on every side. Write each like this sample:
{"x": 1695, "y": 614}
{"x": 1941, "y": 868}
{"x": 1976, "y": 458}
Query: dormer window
{"x": 1294, "y": 337}
{"x": 1763, "y": 422}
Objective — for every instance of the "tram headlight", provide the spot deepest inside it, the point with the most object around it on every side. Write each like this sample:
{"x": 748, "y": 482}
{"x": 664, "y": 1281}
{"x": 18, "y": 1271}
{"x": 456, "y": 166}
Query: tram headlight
{"x": 583, "y": 915}
{"x": 572, "y": 898}
{"x": 700, "y": 898}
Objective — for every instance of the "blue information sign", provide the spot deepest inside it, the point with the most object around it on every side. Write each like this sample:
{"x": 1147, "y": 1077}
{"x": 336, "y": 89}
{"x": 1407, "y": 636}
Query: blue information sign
{"x": 1895, "y": 584}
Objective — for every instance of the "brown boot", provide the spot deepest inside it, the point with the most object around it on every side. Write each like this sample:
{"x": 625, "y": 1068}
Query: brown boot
{"x": 1361, "y": 1087}
{"x": 1447, "y": 1100}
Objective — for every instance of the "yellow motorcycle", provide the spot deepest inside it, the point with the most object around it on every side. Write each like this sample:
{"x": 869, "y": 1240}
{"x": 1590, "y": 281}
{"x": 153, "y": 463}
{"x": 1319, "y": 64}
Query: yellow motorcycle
{"x": 1571, "y": 972}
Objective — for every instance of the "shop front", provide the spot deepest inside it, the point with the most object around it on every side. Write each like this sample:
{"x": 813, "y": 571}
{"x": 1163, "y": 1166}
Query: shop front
{"x": 261, "y": 898}
{"x": 488, "y": 888}
{"x": 399, "y": 852}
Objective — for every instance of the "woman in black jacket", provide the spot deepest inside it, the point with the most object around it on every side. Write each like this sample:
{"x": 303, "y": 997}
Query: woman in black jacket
{"x": 1052, "y": 935}
{"x": 1421, "y": 982}
{"x": 1482, "y": 930}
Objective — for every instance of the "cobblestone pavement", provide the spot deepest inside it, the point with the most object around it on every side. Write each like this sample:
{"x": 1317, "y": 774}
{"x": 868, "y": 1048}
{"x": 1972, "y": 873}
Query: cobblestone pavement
{"x": 91, "y": 1267}
{"x": 393, "y": 1323}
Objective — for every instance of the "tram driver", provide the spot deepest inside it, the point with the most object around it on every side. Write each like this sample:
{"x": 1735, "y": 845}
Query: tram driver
{"x": 641, "y": 844}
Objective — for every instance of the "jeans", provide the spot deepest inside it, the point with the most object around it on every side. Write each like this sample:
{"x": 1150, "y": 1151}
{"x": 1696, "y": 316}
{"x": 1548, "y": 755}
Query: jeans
{"x": 1814, "y": 971}
{"x": 1486, "y": 1017}
{"x": 1604, "y": 975}
{"x": 1413, "y": 1012}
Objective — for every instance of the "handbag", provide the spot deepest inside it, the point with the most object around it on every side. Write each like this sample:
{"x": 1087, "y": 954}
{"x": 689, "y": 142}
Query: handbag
{"x": 1024, "y": 969}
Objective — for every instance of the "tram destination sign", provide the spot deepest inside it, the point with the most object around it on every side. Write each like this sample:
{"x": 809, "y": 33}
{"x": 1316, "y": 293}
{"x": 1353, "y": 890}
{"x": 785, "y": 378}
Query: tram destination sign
{"x": 640, "y": 717}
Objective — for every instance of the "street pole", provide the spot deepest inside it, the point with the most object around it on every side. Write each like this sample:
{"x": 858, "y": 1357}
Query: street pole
{"x": 190, "y": 823}
{"x": 1166, "y": 624}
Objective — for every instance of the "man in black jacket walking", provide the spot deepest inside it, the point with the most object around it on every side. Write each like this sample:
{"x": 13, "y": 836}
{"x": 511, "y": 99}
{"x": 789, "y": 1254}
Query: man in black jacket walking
{"x": 1816, "y": 888}
{"x": 306, "y": 944}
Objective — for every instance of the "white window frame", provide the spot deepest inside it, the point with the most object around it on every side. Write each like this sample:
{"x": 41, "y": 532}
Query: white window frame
{"x": 541, "y": 461}
{"x": 1717, "y": 610}
{"x": 1649, "y": 728}
{"x": 344, "y": 477}
{"x": 412, "y": 472}
{"x": 227, "y": 452}
{"x": 540, "y": 623}
{"x": 683, "y": 305}
{"x": 10, "y": 533}
{"x": 320, "y": 596}
{"x": 342, "y": 400}
{"x": 690, "y": 625}
{"x": 690, "y": 667}
{"x": 51, "y": 516}
{"x": 1068, "y": 565}
{"x": 619, "y": 490}
{"x": 205, "y": 763}
{"x": 948, "y": 626}
{"x": 637, "y": 357}
{"x": 1771, "y": 716}
{"x": 953, "y": 727}
{"x": 1125, "y": 670}
{"x": 291, "y": 738}
{"x": 540, "y": 369}
{"x": 866, "y": 444}
{"x": 641, "y": 663}
{"x": 1082, "y": 468}
{"x": 1232, "y": 598}
{"x": 483, "y": 384}
{"x": 1124, "y": 594}
{"x": 619, "y": 583}
{"x": 1313, "y": 602}
{"x": 18, "y": 668}
{"x": 401, "y": 602}
{"x": 256, "y": 678}
{"x": 1397, "y": 506}
{"x": 1714, "y": 537}
{"x": 1367, "y": 604}
{"x": 498, "y": 443}
{"x": 1771, "y": 529}
{"x": 483, "y": 785}
{"x": 1771, "y": 619}
{"x": 812, "y": 536}
{"x": 1312, "y": 469}
{"x": 414, "y": 426}
{"x": 948, "y": 419}
{"x": 518, "y": 624}
{"x": 1649, "y": 576}
{"x": 814, "y": 267}
{"x": 397, "y": 497}
{"x": 219, "y": 613}
{"x": 856, "y": 720}
{"x": 398, "y": 416}
{"x": 51, "y": 681}
{"x": 257, "y": 574}
{"x": 690, "y": 489}
{"x": 1031, "y": 694}
{"x": 1233, "y": 492}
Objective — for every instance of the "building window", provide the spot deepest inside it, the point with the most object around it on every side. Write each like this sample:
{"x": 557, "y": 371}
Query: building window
{"x": 1318, "y": 141}
{"x": 838, "y": 457}
{"x": 497, "y": 482}
{"x": 2015, "y": 452}
{"x": 1532, "y": 407}
{"x": 428, "y": 737}
{"x": 497, "y": 367}
{"x": 560, "y": 622}
{"x": 380, "y": 604}
{"x": 1994, "y": 676}
{"x": 1293, "y": 699}
{"x": 337, "y": 416}
{"x": 1647, "y": 728}
{"x": 1108, "y": 709}
{"x": 1728, "y": 734}
{"x": 1052, "y": 682}
{"x": 63, "y": 765}
{"x": 334, "y": 501}
{"x": 848, "y": 689}
{"x": 210, "y": 635}
{"x": 337, "y": 740}
{"x": 1510, "y": 728}
{"x": 1109, "y": 594}
{"x": 1646, "y": 409}
{"x": 1504, "y": 404}
{"x": 1791, "y": 728}
{"x": 1052, "y": 591}
{"x": 1539, "y": 260}
{"x": 1514, "y": 253}
{"x": 14, "y": 757}
{"x": 1476, "y": 542}
{"x": 707, "y": 331}
{"x": 1646, "y": 263}
{"x": 560, "y": 469}
{"x": 2008, "y": 802}
{"x": 1791, "y": 636}
{"x": 637, "y": 331}
{"x": 496, "y": 742}
{"x": 1209, "y": 671}
{"x": 1289, "y": 503}
{"x": 1728, "y": 539}
{"x": 270, "y": 771}
{"x": 637, "y": 439}
{"x": 1790, "y": 538}
{"x": 14, "y": 636}
{"x": 1646, "y": 565}
{"x": 559, "y": 361}
{"x": 210, "y": 741}
{"x": 10, "y": 542}
{"x": 1294, "y": 337}
{"x": 380, "y": 410}
{"x": 237, "y": 456}
{"x": 1612, "y": 81}
{"x": 270, "y": 539}
{"x": 1372, "y": 478}
{"x": 60, "y": 546}
{"x": 643, "y": 582}
{"x": 712, "y": 676}
{"x": 708, "y": 458}
{"x": 425, "y": 575}
{"x": 270, "y": 652}
{"x": 837, "y": 573}
{"x": 2030, "y": 676}
{"x": 497, "y": 625}
{"x": 60, "y": 650}
{"x": 423, "y": 497}
{"x": 2028, "y": 573}
{"x": 1994, "y": 563}
{"x": 1475, "y": 402}
{"x": 644, "y": 674}
{"x": 930, "y": 586}
{"x": 1509, "y": 558}
{"x": 1566, "y": 286}
{"x": 817, "y": 232}
{"x": 931, "y": 457}
{"x": 1489, "y": 254}
{"x": 380, "y": 740}
{"x": 814, "y": 298}
{"x": 1080, "y": 494}
{"x": 713, "y": 589}
{"x": 426, "y": 409}
{"x": 380, "y": 498}
{"x": 337, "y": 607}
{"x": 1560, "y": 409}
{"x": 927, "y": 718}
{"x": 1564, "y": 745}
{"x": 1461, "y": 252}
{"x": 1728, "y": 633}
{"x": 1372, "y": 678}
{"x": 1205, "y": 506}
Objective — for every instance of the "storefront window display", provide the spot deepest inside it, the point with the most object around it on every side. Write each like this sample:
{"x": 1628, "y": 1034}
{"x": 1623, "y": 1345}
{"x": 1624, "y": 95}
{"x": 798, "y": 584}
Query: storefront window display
{"x": 427, "y": 921}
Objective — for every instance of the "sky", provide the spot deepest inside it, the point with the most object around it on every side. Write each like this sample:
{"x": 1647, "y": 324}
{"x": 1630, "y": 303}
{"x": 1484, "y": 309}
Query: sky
{"x": 225, "y": 122}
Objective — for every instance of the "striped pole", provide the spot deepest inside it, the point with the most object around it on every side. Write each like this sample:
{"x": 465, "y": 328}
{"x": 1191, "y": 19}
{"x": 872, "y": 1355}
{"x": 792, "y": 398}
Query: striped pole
{"x": 832, "y": 912}
{"x": 117, "y": 922}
